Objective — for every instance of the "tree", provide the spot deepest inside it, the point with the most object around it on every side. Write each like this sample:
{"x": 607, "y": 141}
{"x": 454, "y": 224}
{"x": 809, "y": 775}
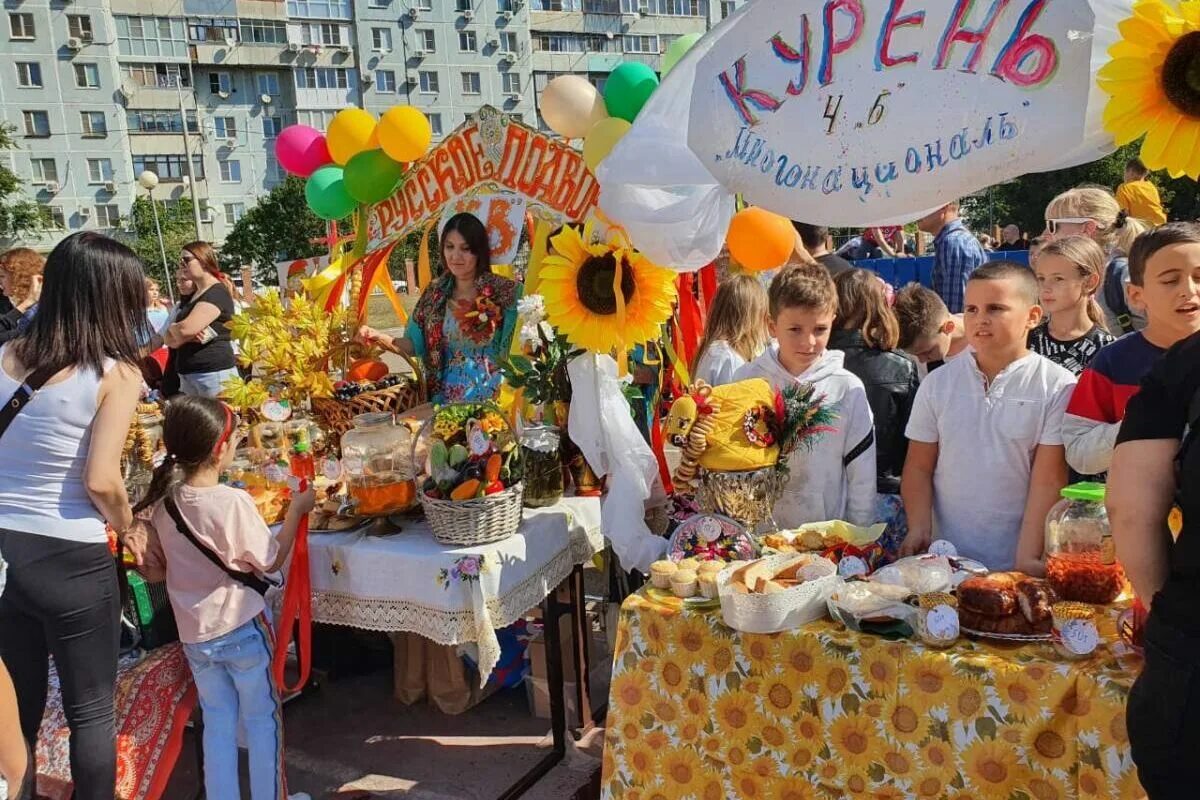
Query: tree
{"x": 18, "y": 216}
{"x": 280, "y": 227}
{"x": 178, "y": 225}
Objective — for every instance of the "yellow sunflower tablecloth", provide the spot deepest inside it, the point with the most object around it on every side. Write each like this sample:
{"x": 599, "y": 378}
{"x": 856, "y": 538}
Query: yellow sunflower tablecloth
{"x": 697, "y": 710}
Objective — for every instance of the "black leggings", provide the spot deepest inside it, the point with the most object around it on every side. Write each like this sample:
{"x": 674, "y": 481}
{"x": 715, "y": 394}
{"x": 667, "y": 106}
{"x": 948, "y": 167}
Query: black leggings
{"x": 62, "y": 599}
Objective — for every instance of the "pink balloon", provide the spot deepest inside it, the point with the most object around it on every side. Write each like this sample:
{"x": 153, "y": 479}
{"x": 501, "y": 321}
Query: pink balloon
{"x": 301, "y": 150}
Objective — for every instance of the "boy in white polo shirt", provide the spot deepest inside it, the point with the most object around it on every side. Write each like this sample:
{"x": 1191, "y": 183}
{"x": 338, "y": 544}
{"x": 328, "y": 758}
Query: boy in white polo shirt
{"x": 985, "y": 457}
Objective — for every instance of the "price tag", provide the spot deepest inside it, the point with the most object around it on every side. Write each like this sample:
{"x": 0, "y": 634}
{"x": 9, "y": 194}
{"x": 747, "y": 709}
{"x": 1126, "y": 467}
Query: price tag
{"x": 942, "y": 622}
{"x": 710, "y": 530}
{"x": 275, "y": 473}
{"x": 1079, "y": 636}
{"x": 332, "y": 468}
{"x": 851, "y": 566}
{"x": 478, "y": 441}
{"x": 943, "y": 548}
{"x": 277, "y": 410}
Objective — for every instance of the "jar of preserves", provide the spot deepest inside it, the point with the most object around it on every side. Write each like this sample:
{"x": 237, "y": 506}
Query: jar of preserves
{"x": 1081, "y": 560}
{"x": 1074, "y": 630}
{"x": 937, "y": 619}
{"x": 377, "y": 465}
{"x": 540, "y": 452}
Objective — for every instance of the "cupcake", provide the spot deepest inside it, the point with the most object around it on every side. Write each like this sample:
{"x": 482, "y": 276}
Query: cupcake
{"x": 661, "y": 572}
{"x": 710, "y": 567}
{"x": 707, "y": 582}
{"x": 690, "y": 563}
{"x": 683, "y": 583}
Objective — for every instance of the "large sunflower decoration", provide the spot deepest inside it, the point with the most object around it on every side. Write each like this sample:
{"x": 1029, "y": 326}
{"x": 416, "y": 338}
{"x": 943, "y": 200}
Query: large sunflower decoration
{"x": 604, "y": 296}
{"x": 1153, "y": 78}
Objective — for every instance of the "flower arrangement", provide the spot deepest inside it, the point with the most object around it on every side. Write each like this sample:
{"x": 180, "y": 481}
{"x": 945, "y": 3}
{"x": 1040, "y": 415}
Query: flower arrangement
{"x": 479, "y": 319}
{"x": 472, "y": 453}
{"x": 541, "y": 369}
{"x": 710, "y": 537}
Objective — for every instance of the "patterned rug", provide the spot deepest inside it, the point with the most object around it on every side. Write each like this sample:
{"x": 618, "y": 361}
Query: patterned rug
{"x": 155, "y": 697}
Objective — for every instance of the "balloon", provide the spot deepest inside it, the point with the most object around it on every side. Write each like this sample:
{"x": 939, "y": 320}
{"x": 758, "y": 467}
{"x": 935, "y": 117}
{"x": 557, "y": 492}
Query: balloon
{"x": 351, "y": 131}
{"x": 677, "y": 50}
{"x": 760, "y": 240}
{"x": 404, "y": 133}
{"x": 601, "y": 139}
{"x": 371, "y": 176}
{"x": 301, "y": 150}
{"x": 628, "y": 88}
{"x": 326, "y": 193}
{"x": 571, "y": 106}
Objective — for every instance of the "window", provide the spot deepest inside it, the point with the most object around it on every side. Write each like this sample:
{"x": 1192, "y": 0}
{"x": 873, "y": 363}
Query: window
{"x": 424, "y": 5}
{"x": 322, "y": 78}
{"x": 470, "y": 83}
{"x": 231, "y": 170}
{"x": 37, "y": 123}
{"x": 435, "y": 123}
{"x": 385, "y": 81}
{"x": 94, "y": 124}
{"x": 220, "y": 82}
{"x": 44, "y": 170}
{"x": 148, "y": 121}
{"x": 426, "y": 42}
{"x": 320, "y": 9}
{"x": 511, "y": 82}
{"x": 80, "y": 26}
{"x": 217, "y": 31}
{"x": 169, "y": 169}
{"x": 20, "y": 26}
{"x": 275, "y": 172}
{"x": 316, "y": 119}
{"x": 264, "y": 31}
{"x": 99, "y": 170}
{"x": 462, "y": 5}
{"x": 429, "y": 82}
{"x": 602, "y": 6}
{"x": 508, "y": 42}
{"x": 641, "y": 44}
{"x": 87, "y": 76}
{"x": 331, "y": 35}
{"x": 234, "y": 212}
{"x": 504, "y": 5}
{"x": 151, "y": 36}
{"x": 466, "y": 42}
{"x": 108, "y": 216}
{"x": 727, "y": 8}
{"x": 224, "y": 127}
{"x": 381, "y": 40}
{"x": 164, "y": 76}
{"x": 29, "y": 75}
{"x": 272, "y": 126}
{"x": 380, "y": 3}
{"x": 52, "y": 217}
{"x": 561, "y": 43}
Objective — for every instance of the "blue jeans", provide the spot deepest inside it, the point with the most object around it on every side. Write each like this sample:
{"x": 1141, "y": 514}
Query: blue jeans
{"x": 233, "y": 680}
{"x": 205, "y": 384}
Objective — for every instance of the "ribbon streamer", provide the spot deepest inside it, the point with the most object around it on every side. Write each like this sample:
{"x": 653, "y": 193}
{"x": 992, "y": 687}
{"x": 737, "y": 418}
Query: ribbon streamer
{"x": 424, "y": 270}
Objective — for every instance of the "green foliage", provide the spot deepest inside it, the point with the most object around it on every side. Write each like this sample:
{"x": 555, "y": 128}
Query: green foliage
{"x": 544, "y": 376}
{"x": 18, "y": 216}
{"x": 280, "y": 227}
{"x": 178, "y": 225}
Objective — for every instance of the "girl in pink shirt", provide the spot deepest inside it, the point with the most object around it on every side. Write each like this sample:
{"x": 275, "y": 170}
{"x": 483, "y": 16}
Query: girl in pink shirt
{"x": 213, "y": 548}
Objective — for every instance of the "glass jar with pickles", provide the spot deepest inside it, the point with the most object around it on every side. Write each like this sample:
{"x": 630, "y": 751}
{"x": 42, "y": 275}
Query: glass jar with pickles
{"x": 377, "y": 465}
{"x": 540, "y": 451}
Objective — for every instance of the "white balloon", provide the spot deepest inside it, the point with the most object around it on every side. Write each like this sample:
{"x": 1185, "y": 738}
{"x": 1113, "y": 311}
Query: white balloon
{"x": 571, "y": 106}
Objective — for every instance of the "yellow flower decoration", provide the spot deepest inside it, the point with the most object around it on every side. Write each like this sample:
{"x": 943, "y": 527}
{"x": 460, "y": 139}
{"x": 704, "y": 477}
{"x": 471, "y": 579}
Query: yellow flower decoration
{"x": 991, "y": 767}
{"x": 681, "y": 771}
{"x": 781, "y": 699}
{"x": 851, "y": 738}
{"x": 577, "y": 283}
{"x": 1051, "y": 745}
{"x": 1153, "y": 78}
{"x": 631, "y": 690}
{"x": 735, "y": 711}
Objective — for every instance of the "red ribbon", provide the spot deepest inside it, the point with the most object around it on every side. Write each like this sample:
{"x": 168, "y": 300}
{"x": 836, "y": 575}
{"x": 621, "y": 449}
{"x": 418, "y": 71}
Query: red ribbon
{"x": 708, "y": 288}
{"x": 297, "y": 607}
{"x": 691, "y": 326}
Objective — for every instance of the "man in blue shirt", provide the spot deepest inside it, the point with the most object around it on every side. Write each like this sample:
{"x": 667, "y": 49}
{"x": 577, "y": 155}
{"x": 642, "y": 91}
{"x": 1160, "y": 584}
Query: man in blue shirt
{"x": 956, "y": 254}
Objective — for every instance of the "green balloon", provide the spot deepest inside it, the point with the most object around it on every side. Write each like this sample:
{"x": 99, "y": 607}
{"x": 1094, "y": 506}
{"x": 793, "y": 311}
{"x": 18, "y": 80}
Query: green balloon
{"x": 371, "y": 176}
{"x": 326, "y": 193}
{"x": 628, "y": 88}
{"x": 677, "y": 49}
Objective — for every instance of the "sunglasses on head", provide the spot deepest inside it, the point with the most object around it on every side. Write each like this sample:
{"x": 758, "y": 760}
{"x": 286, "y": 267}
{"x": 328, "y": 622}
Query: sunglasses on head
{"x": 1052, "y": 224}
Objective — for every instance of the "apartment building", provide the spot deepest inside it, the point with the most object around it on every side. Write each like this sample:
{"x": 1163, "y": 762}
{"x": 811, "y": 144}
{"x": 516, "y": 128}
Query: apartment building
{"x": 197, "y": 90}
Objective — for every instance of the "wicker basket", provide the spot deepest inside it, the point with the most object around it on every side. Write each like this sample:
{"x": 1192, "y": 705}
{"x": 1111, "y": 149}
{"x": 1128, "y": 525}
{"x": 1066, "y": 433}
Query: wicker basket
{"x": 467, "y": 523}
{"x": 337, "y": 416}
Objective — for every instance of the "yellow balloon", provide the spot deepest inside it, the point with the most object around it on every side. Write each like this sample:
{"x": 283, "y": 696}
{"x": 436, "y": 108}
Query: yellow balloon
{"x": 571, "y": 106}
{"x": 601, "y": 139}
{"x": 351, "y": 131}
{"x": 404, "y": 133}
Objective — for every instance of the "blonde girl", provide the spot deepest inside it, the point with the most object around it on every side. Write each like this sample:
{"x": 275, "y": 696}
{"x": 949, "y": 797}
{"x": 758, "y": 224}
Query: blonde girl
{"x": 1069, "y": 273}
{"x": 1093, "y": 211}
{"x": 736, "y": 331}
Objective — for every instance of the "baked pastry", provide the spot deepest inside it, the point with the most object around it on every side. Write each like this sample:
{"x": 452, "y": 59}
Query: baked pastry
{"x": 989, "y": 595}
{"x": 1036, "y": 599}
{"x": 710, "y": 567}
{"x": 1012, "y": 624}
{"x": 689, "y": 563}
{"x": 661, "y": 572}
{"x": 683, "y": 583}
{"x": 706, "y": 582}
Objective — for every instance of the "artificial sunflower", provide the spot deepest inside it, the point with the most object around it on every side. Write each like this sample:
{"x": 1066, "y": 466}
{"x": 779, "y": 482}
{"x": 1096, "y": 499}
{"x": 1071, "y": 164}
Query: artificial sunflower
{"x": 1153, "y": 78}
{"x": 578, "y": 281}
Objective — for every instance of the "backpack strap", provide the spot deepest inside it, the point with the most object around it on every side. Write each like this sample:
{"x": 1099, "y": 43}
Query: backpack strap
{"x": 24, "y": 393}
{"x": 1114, "y": 294}
{"x": 247, "y": 579}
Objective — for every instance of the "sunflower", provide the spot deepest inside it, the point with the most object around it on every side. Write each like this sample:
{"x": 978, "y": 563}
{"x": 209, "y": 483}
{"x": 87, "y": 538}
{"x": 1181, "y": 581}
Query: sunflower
{"x": 926, "y": 675}
{"x": 654, "y": 632}
{"x": 712, "y": 788}
{"x": 1153, "y": 78}
{"x": 641, "y": 762}
{"x": 665, "y": 710}
{"x": 851, "y": 738}
{"x": 631, "y": 689}
{"x": 696, "y": 704}
{"x": 898, "y": 762}
{"x": 991, "y": 767}
{"x": 1050, "y": 746}
{"x": 906, "y": 720}
{"x": 800, "y": 757}
{"x": 929, "y": 785}
{"x": 773, "y": 734}
{"x": 579, "y": 281}
{"x": 936, "y": 754}
{"x": 690, "y": 731}
{"x": 681, "y": 772}
{"x": 780, "y": 700}
{"x": 672, "y": 676}
{"x": 735, "y": 711}
{"x": 765, "y": 767}
{"x": 1092, "y": 782}
{"x": 762, "y": 653}
{"x": 691, "y": 636}
{"x": 880, "y": 670}
{"x": 1045, "y": 786}
{"x": 790, "y": 790}
{"x": 888, "y": 793}
{"x": 800, "y": 655}
{"x": 748, "y": 786}
{"x": 809, "y": 727}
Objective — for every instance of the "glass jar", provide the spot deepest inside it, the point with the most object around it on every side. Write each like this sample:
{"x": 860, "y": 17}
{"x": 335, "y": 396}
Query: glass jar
{"x": 1074, "y": 630}
{"x": 937, "y": 619}
{"x": 377, "y": 465}
{"x": 540, "y": 452}
{"x": 1081, "y": 560}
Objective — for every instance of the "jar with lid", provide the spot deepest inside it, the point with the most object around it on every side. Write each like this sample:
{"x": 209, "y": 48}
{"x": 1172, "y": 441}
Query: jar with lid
{"x": 1074, "y": 630}
{"x": 377, "y": 465}
{"x": 540, "y": 453}
{"x": 1081, "y": 560}
{"x": 937, "y": 619}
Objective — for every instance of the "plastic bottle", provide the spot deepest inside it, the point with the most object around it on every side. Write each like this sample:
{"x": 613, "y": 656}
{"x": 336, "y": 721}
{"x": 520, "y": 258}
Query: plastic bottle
{"x": 302, "y": 464}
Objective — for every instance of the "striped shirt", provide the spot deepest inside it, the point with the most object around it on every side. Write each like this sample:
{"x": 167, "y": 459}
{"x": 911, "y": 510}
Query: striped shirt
{"x": 956, "y": 254}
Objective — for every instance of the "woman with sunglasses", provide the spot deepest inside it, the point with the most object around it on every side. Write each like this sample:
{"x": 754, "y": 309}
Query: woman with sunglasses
{"x": 204, "y": 357}
{"x": 60, "y": 483}
{"x": 1093, "y": 211}
{"x": 206, "y": 540}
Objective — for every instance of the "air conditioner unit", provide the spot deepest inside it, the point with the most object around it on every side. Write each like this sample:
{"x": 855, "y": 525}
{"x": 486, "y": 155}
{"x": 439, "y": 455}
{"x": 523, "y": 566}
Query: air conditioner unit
{"x": 418, "y": 55}
{"x": 231, "y": 41}
{"x": 231, "y": 143}
{"x": 508, "y": 55}
{"x": 223, "y": 95}
{"x": 513, "y": 95}
{"x": 74, "y": 43}
{"x": 411, "y": 13}
{"x": 85, "y": 212}
{"x": 110, "y": 186}
{"x": 506, "y": 15}
{"x": 367, "y": 77}
{"x": 52, "y": 187}
{"x": 493, "y": 42}
{"x": 293, "y": 47}
{"x": 468, "y": 14}
{"x": 344, "y": 49}
{"x": 411, "y": 77}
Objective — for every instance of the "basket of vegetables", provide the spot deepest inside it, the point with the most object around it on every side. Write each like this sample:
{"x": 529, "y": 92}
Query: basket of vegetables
{"x": 472, "y": 489}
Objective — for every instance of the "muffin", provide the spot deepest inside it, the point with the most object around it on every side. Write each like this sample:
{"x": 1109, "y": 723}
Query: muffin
{"x": 707, "y": 582}
{"x": 689, "y": 563}
{"x": 683, "y": 583}
{"x": 661, "y": 572}
{"x": 710, "y": 567}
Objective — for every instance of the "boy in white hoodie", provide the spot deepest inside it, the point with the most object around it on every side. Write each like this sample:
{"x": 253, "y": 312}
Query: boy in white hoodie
{"x": 835, "y": 479}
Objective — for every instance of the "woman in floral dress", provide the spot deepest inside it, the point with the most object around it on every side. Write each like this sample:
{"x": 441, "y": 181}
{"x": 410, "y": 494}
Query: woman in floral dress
{"x": 464, "y": 321}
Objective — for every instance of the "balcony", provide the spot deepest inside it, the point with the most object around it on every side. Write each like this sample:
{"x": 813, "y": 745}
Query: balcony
{"x": 244, "y": 54}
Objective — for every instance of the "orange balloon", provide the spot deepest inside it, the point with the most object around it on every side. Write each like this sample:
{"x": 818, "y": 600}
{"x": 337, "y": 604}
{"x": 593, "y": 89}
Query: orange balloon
{"x": 760, "y": 240}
